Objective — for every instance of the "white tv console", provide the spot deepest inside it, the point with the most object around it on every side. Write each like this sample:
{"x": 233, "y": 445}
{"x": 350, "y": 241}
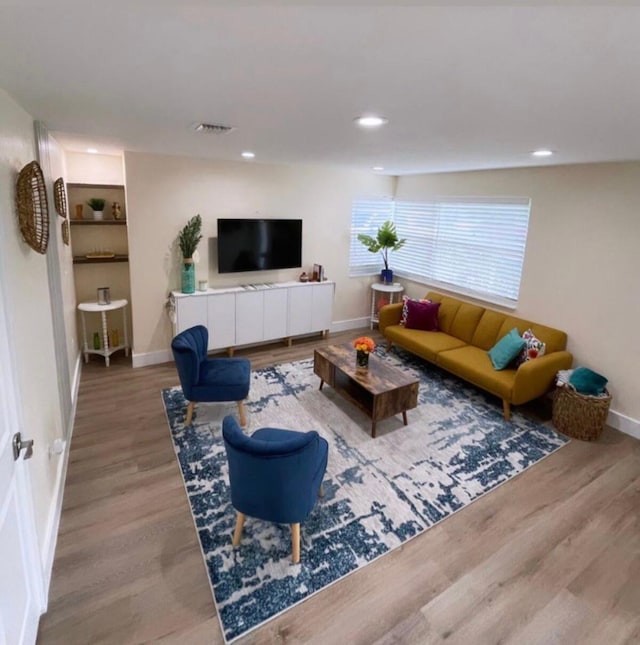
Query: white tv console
{"x": 257, "y": 313}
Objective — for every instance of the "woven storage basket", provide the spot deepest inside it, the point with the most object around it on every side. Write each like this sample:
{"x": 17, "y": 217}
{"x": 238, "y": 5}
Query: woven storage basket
{"x": 578, "y": 415}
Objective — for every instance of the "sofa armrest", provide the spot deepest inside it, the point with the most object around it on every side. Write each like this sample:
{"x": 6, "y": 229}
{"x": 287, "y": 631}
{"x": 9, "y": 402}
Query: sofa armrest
{"x": 534, "y": 378}
{"x": 389, "y": 315}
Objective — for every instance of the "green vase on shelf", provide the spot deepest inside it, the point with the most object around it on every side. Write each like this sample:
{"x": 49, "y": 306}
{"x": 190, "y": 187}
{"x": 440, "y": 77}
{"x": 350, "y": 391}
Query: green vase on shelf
{"x": 188, "y": 276}
{"x": 188, "y": 240}
{"x": 96, "y": 340}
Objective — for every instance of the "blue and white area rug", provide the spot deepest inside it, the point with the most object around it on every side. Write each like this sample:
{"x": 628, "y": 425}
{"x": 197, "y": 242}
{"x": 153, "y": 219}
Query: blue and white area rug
{"x": 379, "y": 492}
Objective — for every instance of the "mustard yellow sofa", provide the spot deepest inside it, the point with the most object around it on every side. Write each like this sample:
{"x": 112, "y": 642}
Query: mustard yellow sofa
{"x": 466, "y": 333}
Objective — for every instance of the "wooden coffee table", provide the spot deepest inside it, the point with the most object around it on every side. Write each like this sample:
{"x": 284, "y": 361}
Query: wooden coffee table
{"x": 381, "y": 391}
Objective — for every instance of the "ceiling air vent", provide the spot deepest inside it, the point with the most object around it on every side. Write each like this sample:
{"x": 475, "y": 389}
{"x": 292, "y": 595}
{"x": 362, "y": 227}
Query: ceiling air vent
{"x": 212, "y": 128}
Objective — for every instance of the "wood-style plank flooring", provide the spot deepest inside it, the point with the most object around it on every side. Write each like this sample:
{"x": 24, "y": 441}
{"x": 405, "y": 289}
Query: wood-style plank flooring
{"x": 553, "y": 556}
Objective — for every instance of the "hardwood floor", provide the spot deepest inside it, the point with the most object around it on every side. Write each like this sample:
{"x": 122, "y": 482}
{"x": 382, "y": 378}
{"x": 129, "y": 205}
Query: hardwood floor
{"x": 553, "y": 556}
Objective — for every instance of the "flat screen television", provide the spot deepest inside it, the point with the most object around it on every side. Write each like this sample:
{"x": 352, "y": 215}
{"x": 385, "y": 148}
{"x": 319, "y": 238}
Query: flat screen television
{"x": 259, "y": 244}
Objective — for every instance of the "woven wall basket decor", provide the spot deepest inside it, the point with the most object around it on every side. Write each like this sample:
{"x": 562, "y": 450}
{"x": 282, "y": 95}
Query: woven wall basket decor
{"x": 33, "y": 210}
{"x": 60, "y": 197}
{"x": 65, "y": 231}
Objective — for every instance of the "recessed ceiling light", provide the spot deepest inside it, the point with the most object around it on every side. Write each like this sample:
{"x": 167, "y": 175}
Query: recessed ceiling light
{"x": 542, "y": 153}
{"x": 248, "y": 155}
{"x": 378, "y": 168}
{"x": 92, "y": 151}
{"x": 370, "y": 121}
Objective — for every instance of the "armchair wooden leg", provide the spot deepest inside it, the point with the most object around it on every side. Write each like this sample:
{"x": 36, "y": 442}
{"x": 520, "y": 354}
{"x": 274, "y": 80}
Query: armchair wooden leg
{"x": 388, "y": 347}
{"x": 187, "y": 421}
{"x": 321, "y": 491}
{"x": 237, "y": 534}
{"x": 242, "y": 414}
{"x": 295, "y": 543}
{"x": 506, "y": 407}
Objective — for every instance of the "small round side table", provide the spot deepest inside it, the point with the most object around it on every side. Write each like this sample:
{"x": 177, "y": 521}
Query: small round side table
{"x": 107, "y": 350}
{"x": 381, "y": 295}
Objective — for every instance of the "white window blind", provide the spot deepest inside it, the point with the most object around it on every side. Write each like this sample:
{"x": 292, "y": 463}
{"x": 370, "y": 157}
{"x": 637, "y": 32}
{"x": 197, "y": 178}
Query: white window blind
{"x": 472, "y": 245}
{"x": 476, "y": 244}
{"x": 367, "y": 215}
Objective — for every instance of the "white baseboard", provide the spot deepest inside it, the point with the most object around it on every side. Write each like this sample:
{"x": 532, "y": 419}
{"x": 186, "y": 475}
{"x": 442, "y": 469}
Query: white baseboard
{"x": 354, "y": 323}
{"x": 624, "y": 423}
{"x": 151, "y": 358}
{"x": 55, "y": 510}
{"x": 165, "y": 356}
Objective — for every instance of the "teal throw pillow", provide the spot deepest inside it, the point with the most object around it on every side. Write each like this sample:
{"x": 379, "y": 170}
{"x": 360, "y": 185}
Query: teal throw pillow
{"x": 506, "y": 349}
{"x": 587, "y": 381}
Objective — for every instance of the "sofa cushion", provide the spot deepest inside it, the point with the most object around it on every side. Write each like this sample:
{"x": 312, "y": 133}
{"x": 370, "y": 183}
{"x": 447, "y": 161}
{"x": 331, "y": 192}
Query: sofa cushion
{"x": 474, "y": 365}
{"x": 534, "y": 348}
{"x": 427, "y": 344}
{"x": 507, "y": 349}
{"x": 422, "y": 315}
{"x": 554, "y": 339}
{"x": 488, "y": 328}
{"x": 405, "y": 307}
{"x": 466, "y": 321}
{"x": 448, "y": 310}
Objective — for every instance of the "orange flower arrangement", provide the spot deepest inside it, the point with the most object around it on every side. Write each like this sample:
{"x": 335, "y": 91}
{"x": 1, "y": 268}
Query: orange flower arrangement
{"x": 364, "y": 344}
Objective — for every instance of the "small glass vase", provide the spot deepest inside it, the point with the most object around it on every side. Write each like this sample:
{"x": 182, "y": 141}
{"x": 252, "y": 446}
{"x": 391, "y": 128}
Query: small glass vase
{"x": 188, "y": 276}
{"x": 362, "y": 360}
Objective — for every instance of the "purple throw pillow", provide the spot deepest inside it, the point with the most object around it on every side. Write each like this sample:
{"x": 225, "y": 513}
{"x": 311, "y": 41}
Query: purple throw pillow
{"x": 405, "y": 299}
{"x": 422, "y": 315}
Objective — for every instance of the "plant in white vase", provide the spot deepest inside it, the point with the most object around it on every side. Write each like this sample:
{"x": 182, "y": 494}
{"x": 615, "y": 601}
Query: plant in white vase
{"x": 96, "y": 204}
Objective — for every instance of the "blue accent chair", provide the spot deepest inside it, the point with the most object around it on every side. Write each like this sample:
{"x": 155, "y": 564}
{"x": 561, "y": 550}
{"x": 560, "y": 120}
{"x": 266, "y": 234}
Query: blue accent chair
{"x": 209, "y": 379}
{"x": 274, "y": 475}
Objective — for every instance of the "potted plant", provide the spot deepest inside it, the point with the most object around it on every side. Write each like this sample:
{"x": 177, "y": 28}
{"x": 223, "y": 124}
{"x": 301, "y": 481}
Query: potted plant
{"x": 188, "y": 240}
{"x": 96, "y": 204}
{"x": 385, "y": 240}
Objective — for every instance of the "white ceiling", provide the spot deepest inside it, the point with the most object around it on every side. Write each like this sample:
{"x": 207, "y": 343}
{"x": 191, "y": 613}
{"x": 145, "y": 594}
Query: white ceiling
{"x": 462, "y": 87}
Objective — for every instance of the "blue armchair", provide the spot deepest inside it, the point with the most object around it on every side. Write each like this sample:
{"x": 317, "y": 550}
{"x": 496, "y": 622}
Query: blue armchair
{"x": 275, "y": 475}
{"x": 209, "y": 379}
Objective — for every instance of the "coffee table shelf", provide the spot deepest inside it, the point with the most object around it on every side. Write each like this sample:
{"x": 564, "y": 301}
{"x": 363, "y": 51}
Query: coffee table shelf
{"x": 382, "y": 391}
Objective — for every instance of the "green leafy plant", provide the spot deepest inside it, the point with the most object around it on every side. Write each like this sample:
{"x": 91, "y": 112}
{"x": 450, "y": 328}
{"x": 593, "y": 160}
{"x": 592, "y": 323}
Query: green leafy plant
{"x": 96, "y": 204}
{"x": 190, "y": 236}
{"x": 385, "y": 240}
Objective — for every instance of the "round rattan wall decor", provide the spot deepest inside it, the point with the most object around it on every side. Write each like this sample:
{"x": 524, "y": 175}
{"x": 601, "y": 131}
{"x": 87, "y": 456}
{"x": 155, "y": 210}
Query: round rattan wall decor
{"x": 65, "y": 231}
{"x": 33, "y": 210}
{"x": 60, "y": 197}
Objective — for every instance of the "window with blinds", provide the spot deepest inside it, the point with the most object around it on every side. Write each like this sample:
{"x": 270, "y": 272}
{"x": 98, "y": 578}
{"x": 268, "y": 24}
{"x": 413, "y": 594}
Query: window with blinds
{"x": 473, "y": 245}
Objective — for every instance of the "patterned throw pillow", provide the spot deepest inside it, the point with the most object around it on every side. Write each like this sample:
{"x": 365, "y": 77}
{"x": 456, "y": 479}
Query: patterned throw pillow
{"x": 534, "y": 348}
{"x": 405, "y": 309}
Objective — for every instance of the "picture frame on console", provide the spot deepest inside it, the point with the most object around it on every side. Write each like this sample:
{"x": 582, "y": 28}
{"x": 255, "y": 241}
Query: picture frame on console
{"x": 318, "y": 273}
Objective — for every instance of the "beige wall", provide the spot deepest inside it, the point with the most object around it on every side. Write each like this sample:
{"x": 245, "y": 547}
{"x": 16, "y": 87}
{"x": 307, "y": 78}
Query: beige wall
{"x": 24, "y": 276}
{"x": 163, "y": 192}
{"x": 85, "y": 168}
{"x": 582, "y": 265}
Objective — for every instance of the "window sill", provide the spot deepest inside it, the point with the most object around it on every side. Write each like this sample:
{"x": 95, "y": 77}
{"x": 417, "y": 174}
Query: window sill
{"x": 505, "y": 303}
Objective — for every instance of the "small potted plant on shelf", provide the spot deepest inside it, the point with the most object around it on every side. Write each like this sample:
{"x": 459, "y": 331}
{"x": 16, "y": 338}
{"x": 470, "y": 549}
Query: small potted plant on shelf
{"x": 385, "y": 240}
{"x": 188, "y": 240}
{"x": 96, "y": 204}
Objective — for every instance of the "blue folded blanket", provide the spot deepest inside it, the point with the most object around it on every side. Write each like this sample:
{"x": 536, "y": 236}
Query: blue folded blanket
{"x": 587, "y": 381}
